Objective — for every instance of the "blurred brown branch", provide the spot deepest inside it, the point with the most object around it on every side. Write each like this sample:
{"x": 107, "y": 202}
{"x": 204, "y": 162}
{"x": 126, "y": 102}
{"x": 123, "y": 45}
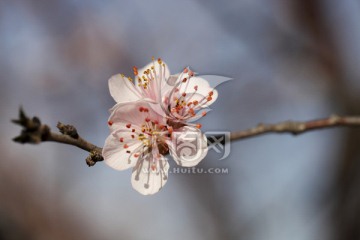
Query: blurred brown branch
{"x": 295, "y": 127}
{"x": 34, "y": 132}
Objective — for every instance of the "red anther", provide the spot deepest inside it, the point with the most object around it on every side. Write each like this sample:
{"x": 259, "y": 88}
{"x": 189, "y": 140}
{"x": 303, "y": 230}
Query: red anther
{"x": 132, "y": 136}
{"x": 128, "y": 151}
{"x": 184, "y": 94}
{"x": 147, "y": 119}
{"x": 156, "y": 122}
{"x": 189, "y": 104}
{"x": 136, "y": 155}
{"x": 185, "y": 70}
{"x": 146, "y": 110}
{"x": 153, "y": 167}
{"x": 126, "y": 146}
{"x": 135, "y": 69}
{"x": 211, "y": 93}
{"x": 170, "y": 130}
{"x": 209, "y": 98}
{"x": 143, "y": 130}
{"x": 191, "y": 73}
{"x": 121, "y": 139}
{"x": 203, "y": 114}
{"x": 184, "y": 80}
{"x": 128, "y": 125}
{"x": 133, "y": 130}
{"x": 110, "y": 123}
{"x": 159, "y": 60}
{"x": 141, "y": 109}
{"x": 198, "y": 125}
{"x": 195, "y": 102}
{"x": 196, "y": 87}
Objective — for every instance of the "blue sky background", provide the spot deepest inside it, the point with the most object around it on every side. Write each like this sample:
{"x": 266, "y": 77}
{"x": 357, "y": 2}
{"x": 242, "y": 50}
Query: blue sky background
{"x": 56, "y": 58}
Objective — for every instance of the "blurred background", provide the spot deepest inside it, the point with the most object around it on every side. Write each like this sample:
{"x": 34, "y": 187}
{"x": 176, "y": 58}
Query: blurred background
{"x": 294, "y": 59}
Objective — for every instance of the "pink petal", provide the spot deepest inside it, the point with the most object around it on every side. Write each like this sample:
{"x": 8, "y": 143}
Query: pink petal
{"x": 116, "y": 155}
{"x": 122, "y": 90}
{"x": 203, "y": 89}
{"x": 147, "y": 180}
{"x": 130, "y": 113}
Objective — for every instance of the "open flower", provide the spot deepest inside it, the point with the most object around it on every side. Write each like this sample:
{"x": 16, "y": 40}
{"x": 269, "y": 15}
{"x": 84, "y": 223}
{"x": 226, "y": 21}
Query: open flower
{"x": 152, "y": 118}
{"x": 181, "y": 96}
{"x": 147, "y": 83}
{"x": 138, "y": 140}
{"x": 186, "y": 97}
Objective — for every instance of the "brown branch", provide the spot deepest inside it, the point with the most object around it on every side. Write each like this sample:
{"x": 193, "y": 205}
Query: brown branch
{"x": 34, "y": 132}
{"x": 295, "y": 127}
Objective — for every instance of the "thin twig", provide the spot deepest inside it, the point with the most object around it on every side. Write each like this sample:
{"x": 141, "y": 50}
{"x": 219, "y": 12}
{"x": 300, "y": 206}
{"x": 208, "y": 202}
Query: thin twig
{"x": 34, "y": 132}
{"x": 296, "y": 127}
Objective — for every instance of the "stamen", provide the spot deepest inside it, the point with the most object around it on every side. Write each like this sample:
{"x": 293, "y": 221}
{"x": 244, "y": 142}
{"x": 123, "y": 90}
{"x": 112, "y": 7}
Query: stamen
{"x": 128, "y": 125}
{"x": 126, "y": 146}
{"x": 153, "y": 167}
{"x": 110, "y": 123}
{"x": 122, "y": 139}
{"x": 170, "y": 130}
{"x": 135, "y": 69}
{"x": 198, "y": 125}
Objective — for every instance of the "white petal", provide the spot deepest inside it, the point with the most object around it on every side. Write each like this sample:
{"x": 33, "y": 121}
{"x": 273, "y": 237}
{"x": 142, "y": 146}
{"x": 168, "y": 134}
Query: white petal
{"x": 203, "y": 87}
{"x": 130, "y": 113}
{"x": 188, "y": 146}
{"x": 162, "y": 72}
{"x": 147, "y": 181}
{"x": 122, "y": 90}
{"x": 116, "y": 156}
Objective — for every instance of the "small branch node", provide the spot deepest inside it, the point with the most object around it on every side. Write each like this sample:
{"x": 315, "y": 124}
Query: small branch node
{"x": 69, "y": 130}
{"x": 93, "y": 158}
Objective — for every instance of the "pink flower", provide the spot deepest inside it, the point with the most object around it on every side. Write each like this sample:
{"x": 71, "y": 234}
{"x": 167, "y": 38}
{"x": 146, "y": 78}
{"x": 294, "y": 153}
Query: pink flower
{"x": 182, "y": 97}
{"x": 152, "y": 118}
{"x": 138, "y": 140}
{"x": 146, "y": 85}
{"x": 186, "y": 97}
